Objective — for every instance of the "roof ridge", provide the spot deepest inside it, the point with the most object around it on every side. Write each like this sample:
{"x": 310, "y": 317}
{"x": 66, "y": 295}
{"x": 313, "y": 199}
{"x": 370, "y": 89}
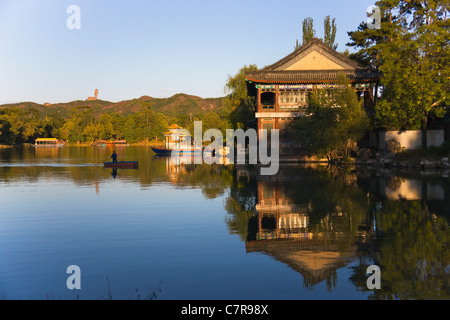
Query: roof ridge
{"x": 307, "y": 45}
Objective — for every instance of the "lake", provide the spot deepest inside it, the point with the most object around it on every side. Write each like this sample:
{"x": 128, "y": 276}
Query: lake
{"x": 198, "y": 232}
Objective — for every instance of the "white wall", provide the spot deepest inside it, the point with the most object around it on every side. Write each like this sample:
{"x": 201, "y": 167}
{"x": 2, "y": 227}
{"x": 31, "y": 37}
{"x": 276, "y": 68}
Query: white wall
{"x": 412, "y": 139}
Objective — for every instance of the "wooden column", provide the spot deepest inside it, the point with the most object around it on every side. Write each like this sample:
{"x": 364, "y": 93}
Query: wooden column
{"x": 258, "y": 103}
{"x": 277, "y": 98}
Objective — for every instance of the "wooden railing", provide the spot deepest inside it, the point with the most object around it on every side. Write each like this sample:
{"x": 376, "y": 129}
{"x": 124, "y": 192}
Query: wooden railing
{"x": 267, "y": 108}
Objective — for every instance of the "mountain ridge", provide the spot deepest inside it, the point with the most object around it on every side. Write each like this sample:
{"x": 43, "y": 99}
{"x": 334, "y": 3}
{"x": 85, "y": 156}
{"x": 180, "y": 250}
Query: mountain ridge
{"x": 180, "y": 103}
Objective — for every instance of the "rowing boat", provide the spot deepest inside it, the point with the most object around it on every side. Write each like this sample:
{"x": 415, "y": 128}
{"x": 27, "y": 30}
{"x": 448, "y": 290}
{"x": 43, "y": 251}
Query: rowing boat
{"x": 122, "y": 164}
{"x": 165, "y": 151}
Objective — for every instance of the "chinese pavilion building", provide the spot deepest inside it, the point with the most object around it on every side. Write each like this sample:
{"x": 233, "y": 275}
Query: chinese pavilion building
{"x": 282, "y": 89}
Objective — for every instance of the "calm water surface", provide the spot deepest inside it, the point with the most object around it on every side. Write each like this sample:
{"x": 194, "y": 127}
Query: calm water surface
{"x": 216, "y": 232}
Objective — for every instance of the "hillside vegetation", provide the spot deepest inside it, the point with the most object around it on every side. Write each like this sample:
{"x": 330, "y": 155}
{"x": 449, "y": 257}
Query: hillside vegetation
{"x": 136, "y": 120}
{"x": 171, "y": 107}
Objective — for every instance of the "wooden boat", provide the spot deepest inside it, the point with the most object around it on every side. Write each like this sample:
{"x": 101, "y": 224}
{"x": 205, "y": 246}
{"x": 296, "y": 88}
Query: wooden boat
{"x": 122, "y": 164}
{"x": 168, "y": 152}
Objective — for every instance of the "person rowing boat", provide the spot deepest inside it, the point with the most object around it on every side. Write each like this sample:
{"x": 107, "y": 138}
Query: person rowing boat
{"x": 114, "y": 157}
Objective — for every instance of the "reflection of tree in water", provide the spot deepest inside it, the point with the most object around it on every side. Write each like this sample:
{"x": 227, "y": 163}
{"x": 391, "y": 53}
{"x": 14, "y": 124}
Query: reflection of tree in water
{"x": 261, "y": 208}
{"x": 408, "y": 240}
{"x": 213, "y": 180}
{"x": 411, "y": 248}
{"x": 394, "y": 182}
{"x": 334, "y": 202}
{"x": 240, "y": 204}
{"x": 329, "y": 199}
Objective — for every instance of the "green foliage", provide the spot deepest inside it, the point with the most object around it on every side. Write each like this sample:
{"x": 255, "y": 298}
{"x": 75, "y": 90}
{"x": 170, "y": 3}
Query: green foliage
{"x": 335, "y": 121}
{"x": 238, "y": 107}
{"x": 308, "y": 29}
{"x": 329, "y": 26}
{"x": 416, "y": 77}
{"x": 412, "y": 51}
{"x": 309, "y": 32}
{"x": 25, "y": 125}
{"x": 368, "y": 41}
{"x": 74, "y": 128}
{"x": 144, "y": 125}
{"x": 21, "y": 126}
{"x": 412, "y": 253}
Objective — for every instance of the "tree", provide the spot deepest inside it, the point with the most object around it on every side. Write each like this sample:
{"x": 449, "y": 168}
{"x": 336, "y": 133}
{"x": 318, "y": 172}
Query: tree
{"x": 329, "y": 27}
{"x": 107, "y": 126}
{"x": 412, "y": 51}
{"x": 309, "y": 32}
{"x": 238, "y": 106}
{"x": 415, "y": 68}
{"x": 416, "y": 80}
{"x": 131, "y": 131}
{"x": 19, "y": 126}
{"x": 92, "y": 131}
{"x": 161, "y": 125}
{"x": 147, "y": 121}
{"x": 308, "y": 29}
{"x": 74, "y": 128}
{"x": 368, "y": 41}
{"x": 335, "y": 121}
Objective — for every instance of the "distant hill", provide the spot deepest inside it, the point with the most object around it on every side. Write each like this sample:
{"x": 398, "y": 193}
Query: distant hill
{"x": 179, "y": 104}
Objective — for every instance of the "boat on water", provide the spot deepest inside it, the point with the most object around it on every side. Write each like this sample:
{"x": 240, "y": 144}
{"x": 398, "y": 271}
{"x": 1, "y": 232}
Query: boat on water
{"x": 110, "y": 143}
{"x": 122, "y": 164}
{"x": 165, "y": 151}
{"x": 48, "y": 142}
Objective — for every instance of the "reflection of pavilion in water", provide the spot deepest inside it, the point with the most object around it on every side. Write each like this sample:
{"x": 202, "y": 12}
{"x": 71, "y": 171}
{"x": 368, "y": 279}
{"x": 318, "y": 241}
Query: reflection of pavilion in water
{"x": 284, "y": 233}
{"x": 175, "y": 167}
{"x": 316, "y": 244}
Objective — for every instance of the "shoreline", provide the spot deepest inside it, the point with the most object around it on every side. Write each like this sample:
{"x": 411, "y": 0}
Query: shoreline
{"x": 88, "y": 144}
{"x": 385, "y": 161}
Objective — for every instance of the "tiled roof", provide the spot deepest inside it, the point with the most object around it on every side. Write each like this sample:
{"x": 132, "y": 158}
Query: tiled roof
{"x": 273, "y": 73}
{"x": 310, "y": 76}
{"x": 320, "y": 46}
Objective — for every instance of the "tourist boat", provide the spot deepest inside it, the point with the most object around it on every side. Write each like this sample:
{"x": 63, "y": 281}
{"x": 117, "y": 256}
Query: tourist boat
{"x": 111, "y": 143}
{"x": 122, "y": 164}
{"x": 48, "y": 142}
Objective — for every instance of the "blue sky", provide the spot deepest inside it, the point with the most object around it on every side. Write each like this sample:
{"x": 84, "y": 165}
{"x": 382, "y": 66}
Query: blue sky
{"x": 128, "y": 49}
